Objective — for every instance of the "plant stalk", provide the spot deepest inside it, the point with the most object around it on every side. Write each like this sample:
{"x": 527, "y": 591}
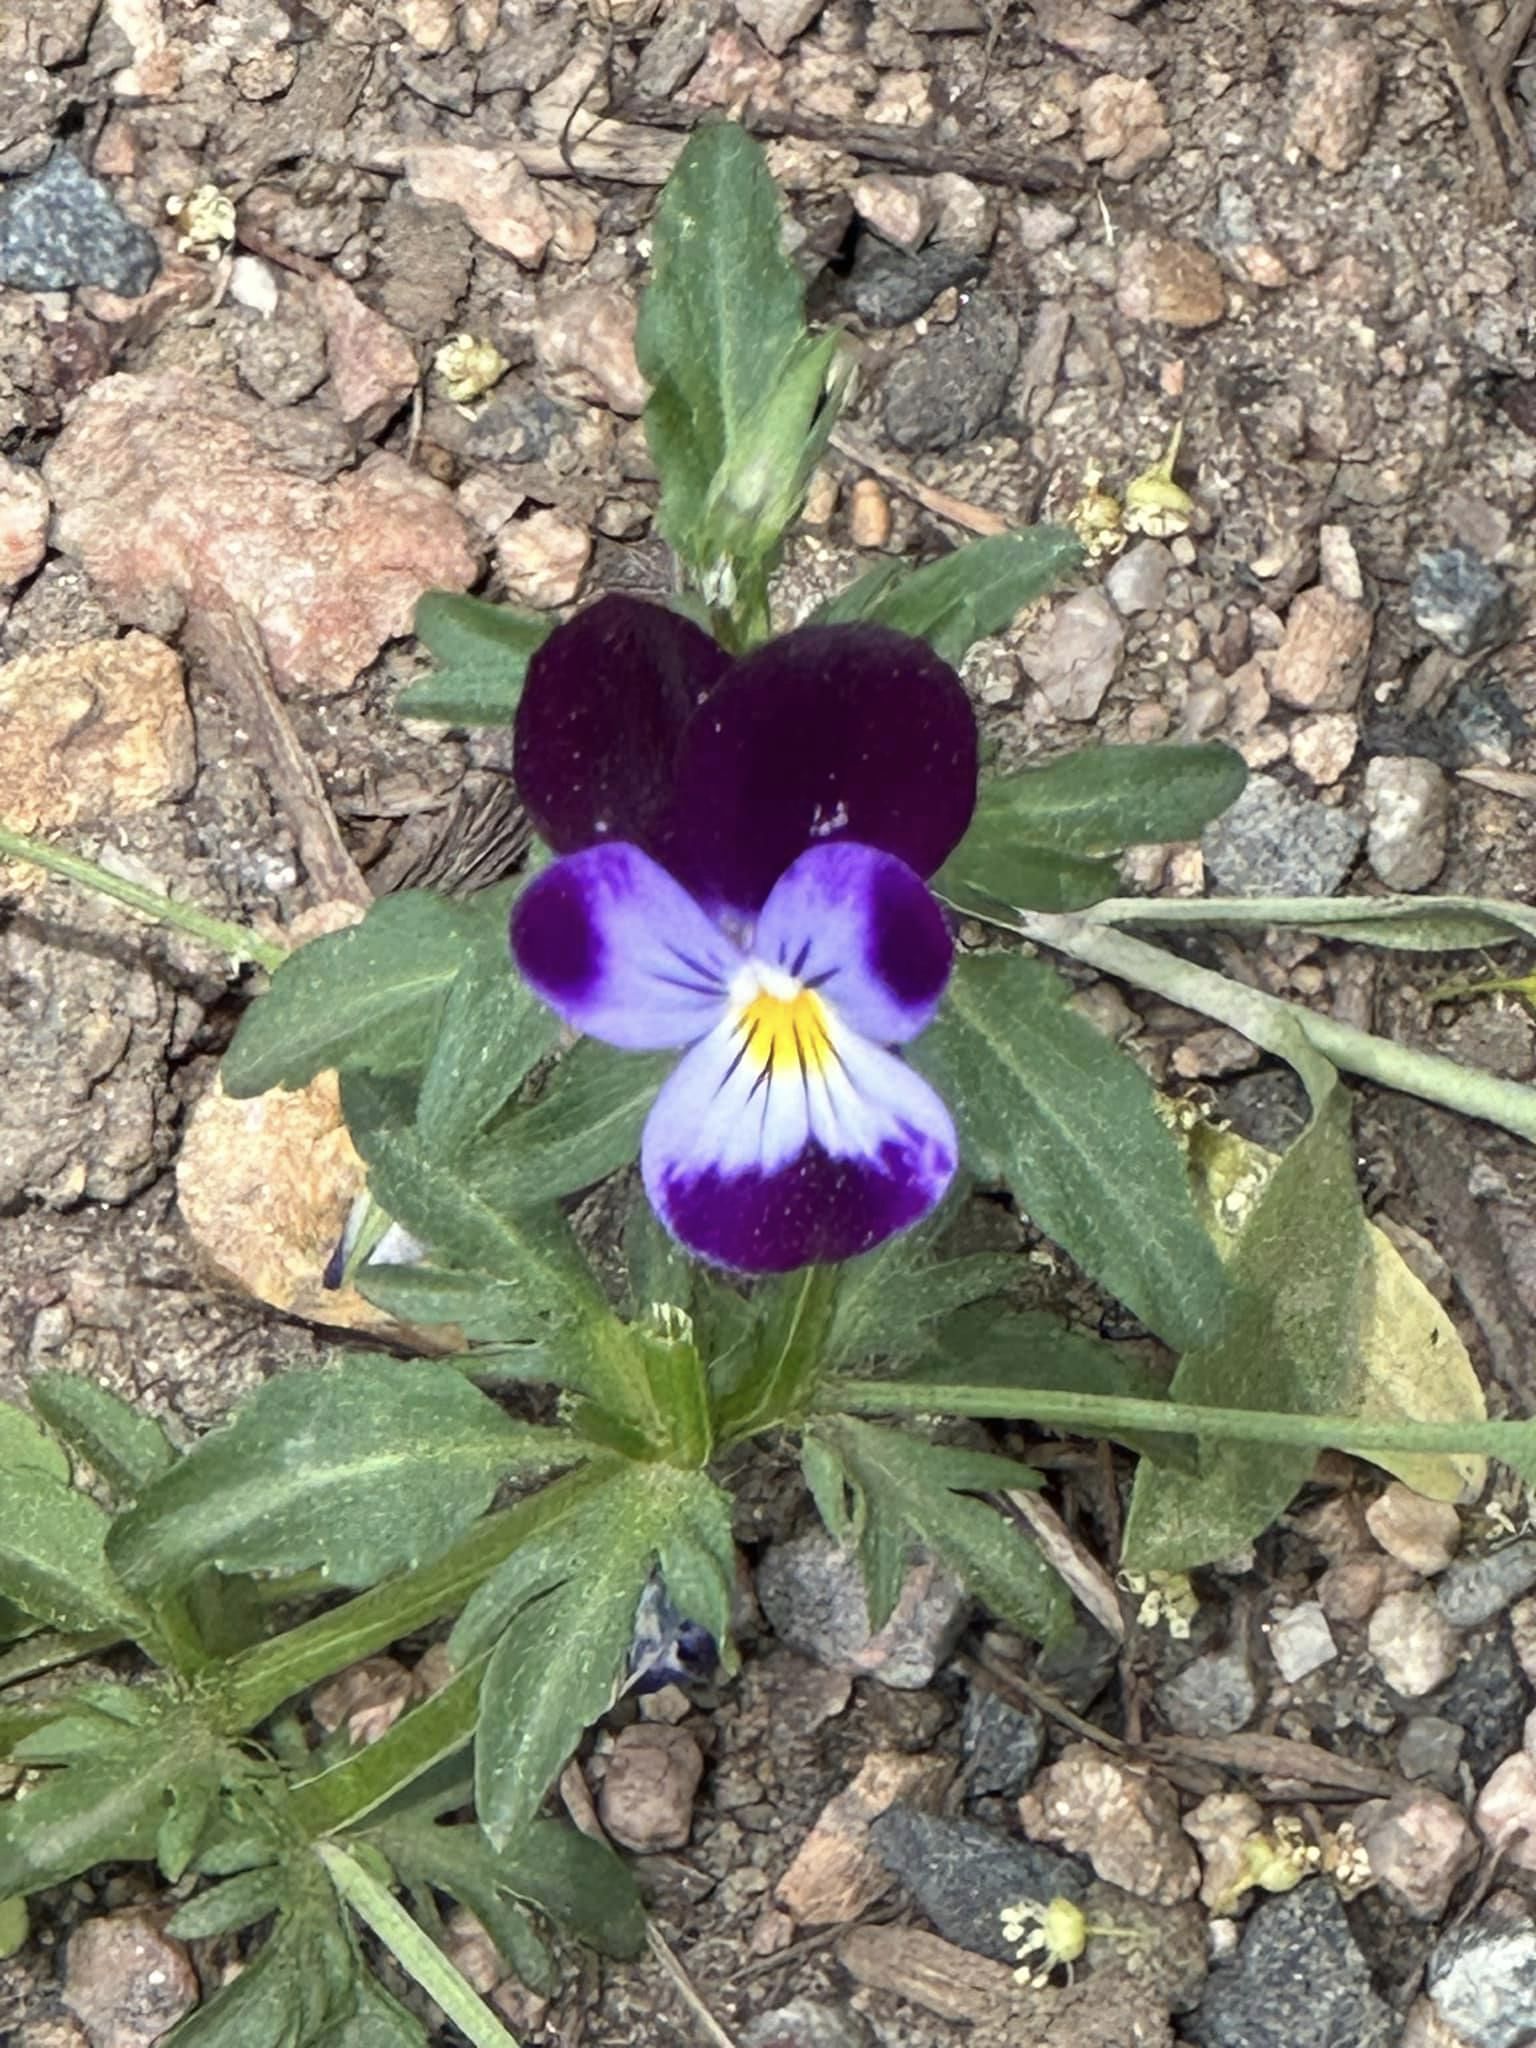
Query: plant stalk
{"x": 234, "y": 939}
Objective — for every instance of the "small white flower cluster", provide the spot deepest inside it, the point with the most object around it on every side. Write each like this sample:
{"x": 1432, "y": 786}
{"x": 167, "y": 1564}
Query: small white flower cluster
{"x": 1044, "y": 1938}
{"x": 1168, "y": 1600}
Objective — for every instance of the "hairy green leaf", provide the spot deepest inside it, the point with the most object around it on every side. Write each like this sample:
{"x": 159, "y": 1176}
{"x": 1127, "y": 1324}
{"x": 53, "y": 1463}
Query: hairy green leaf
{"x": 127, "y": 1447}
{"x": 1046, "y": 1104}
{"x": 966, "y": 595}
{"x": 494, "y": 1031}
{"x": 52, "y": 1561}
{"x": 362, "y": 1467}
{"x": 226, "y": 1907}
{"x": 585, "y": 1125}
{"x": 482, "y": 653}
{"x": 886, "y": 1305}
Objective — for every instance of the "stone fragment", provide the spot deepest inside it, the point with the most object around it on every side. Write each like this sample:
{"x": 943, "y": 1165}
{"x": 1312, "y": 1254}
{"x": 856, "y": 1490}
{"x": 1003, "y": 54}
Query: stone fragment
{"x": 1301, "y": 1642}
{"x": 126, "y": 1980}
{"x": 1125, "y": 1822}
{"x": 887, "y": 286}
{"x": 428, "y": 23}
{"x": 1003, "y": 1744}
{"x": 367, "y": 1699}
{"x": 1489, "y": 1701}
{"x": 1337, "y": 86}
{"x": 542, "y": 559}
{"x": 869, "y": 514}
{"x": 1138, "y": 580}
{"x": 1272, "y": 842}
{"x": 372, "y": 365}
{"x": 1482, "y": 1981}
{"x": 1461, "y": 600}
{"x": 282, "y": 357}
{"x": 23, "y": 522}
{"x": 812, "y": 1594}
{"x": 1420, "y": 1848}
{"x": 490, "y": 187}
{"x": 1124, "y": 127}
{"x": 1324, "y": 745}
{"x": 962, "y": 1875}
{"x": 1430, "y": 1747}
{"x": 836, "y": 1873}
{"x": 1424, "y": 2028}
{"x": 1214, "y": 1696}
{"x": 945, "y": 388}
{"x": 967, "y": 219}
{"x": 1320, "y": 664}
{"x": 1506, "y": 1812}
{"x": 1171, "y": 281}
{"x": 585, "y": 340}
{"x": 1298, "y": 1976}
{"x": 1408, "y": 800}
{"x": 1072, "y": 655}
{"x": 776, "y": 23}
{"x": 164, "y": 486}
{"x": 1338, "y": 564}
{"x": 60, "y": 227}
{"x": 807, "y": 2023}
{"x": 1422, "y": 1534}
{"x": 648, "y": 1789}
{"x": 902, "y": 211}
{"x": 1093, "y": 32}
{"x": 1214, "y": 1053}
{"x": 1412, "y": 1642}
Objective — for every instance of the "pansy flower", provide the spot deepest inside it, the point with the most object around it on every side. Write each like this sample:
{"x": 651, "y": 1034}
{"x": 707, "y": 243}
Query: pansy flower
{"x": 745, "y": 842}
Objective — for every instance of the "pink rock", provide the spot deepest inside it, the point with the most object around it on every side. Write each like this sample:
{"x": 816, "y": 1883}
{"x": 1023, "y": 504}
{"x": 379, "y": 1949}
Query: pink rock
{"x": 543, "y": 559}
{"x": 647, "y": 1798}
{"x": 163, "y": 485}
{"x": 491, "y": 189}
{"x": 23, "y": 523}
{"x": 586, "y": 341}
{"x": 1506, "y": 1812}
{"x": 373, "y": 366}
{"x": 126, "y": 1981}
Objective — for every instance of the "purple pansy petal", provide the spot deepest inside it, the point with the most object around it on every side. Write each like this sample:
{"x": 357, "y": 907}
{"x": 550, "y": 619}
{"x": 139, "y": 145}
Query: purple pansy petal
{"x": 800, "y": 1170}
{"x": 604, "y": 706}
{"x": 865, "y": 932}
{"x": 621, "y": 951}
{"x": 832, "y": 732}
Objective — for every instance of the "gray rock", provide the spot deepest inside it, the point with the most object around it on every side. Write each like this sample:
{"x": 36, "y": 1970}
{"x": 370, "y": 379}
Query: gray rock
{"x": 1073, "y": 654}
{"x": 963, "y": 1875}
{"x": 1275, "y": 843}
{"x": 1475, "y": 1589}
{"x": 1482, "y": 1982}
{"x": 947, "y": 387}
{"x": 517, "y": 426}
{"x": 1215, "y": 1695}
{"x": 1138, "y": 581}
{"x": 1078, "y": 1665}
{"x": 283, "y": 357}
{"x": 806, "y": 2023}
{"x": 886, "y": 287}
{"x": 812, "y": 1593}
{"x": 60, "y": 227}
{"x": 1461, "y": 600}
{"x": 1298, "y": 1976}
{"x": 1430, "y": 1747}
{"x": 1003, "y": 1744}
{"x": 1488, "y": 1699}
{"x": 1409, "y": 801}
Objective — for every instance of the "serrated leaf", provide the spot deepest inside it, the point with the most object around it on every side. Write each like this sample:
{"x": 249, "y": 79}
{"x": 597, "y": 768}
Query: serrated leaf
{"x": 52, "y": 1558}
{"x": 585, "y": 1125}
{"x": 886, "y": 1309}
{"x": 910, "y": 1485}
{"x": 482, "y": 653}
{"x": 493, "y": 1032}
{"x": 127, "y": 1447}
{"x": 1047, "y": 1105}
{"x": 300, "y": 1990}
{"x": 369, "y": 997}
{"x": 966, "y": 595}
{"x": 24, "y": 1446}
{"x": 226, "y": 1907}
{"x": 194, "y": 1806}
{"x": 359, "y": 1468}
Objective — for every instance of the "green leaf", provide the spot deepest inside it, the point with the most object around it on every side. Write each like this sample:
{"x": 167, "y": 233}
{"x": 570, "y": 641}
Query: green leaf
{"x": 369, "y": 997}
{"x": 1046, "y": 1104}
{"x": 1301, "y": 1274}
{"x": 886, "y": 1306}
{"x": 362, "y": 1467}
{"x": 908, "y": 1490}
{"x": 966, "y": 595}
{"x": 194, "y": 1808}
{"x": 127, "y": 1447}
{"x": 487, "y": 1311}
{"x": 482, "y": 653}
{"x": 791, "y": 1317}
{"x": 494, "y": 1031}
{"x": 1038, "y": 838}
{"x": 556, "y": 1667}
{"x": 228, "y": 1906}
{"x": 52, "y": 1560}
{"x": 584, "y": 1126}
{"x": 301, "y": 1990}
{"x": 15, "y": 1927}
{"x": 25, "y": 1447}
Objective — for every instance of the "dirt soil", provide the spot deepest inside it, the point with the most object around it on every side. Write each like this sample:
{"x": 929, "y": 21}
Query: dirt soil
{"x": 1053, "y": 233}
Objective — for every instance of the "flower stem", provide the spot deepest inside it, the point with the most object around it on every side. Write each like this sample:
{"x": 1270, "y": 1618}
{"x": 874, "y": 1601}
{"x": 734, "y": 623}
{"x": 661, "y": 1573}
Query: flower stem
{"x": 235, "y": 939}
{"x": 1269, "y": 1021}
{"x": 1105, "y": 1414}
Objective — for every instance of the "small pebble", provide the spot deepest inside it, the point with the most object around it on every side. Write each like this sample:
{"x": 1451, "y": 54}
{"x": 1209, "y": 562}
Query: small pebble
{"x": 1412, "y": 1642}
{"x": 1408, "y": 800}
{"x": 1123, "y": 1820}
{"x": 60, "y": 227}
{"x": 1138, "y": 581}
{"x": 1430, "y": 1747}
{"x": 1420, "y": 1848}
{"x": 1301, "y": 1642}
{"x": 1273, "y": 842}
{"x": 1323, "y": 747}
{"x": 1213, "y": 1696}
{"x": 1461, "y": 600}
{"x": 1475, "y": 1589}
{"x": 812, "y": 1593}
{"x": 543, "y": 559}
{"x": 1171, "y": 282}
{"x": 1337, "y": 86}
{"x": 1482, "y": 1981}
{"x": 647, "y": 1794}
{"x": 869, "y": 514}
{"x": 1320, "y": 664}
{"x": 127, "y": 1981}
{"x": 1422, "y": 1534}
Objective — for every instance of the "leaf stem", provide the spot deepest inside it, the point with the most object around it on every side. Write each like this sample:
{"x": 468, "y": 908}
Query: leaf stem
{"x": 1319, "y": 913}
{"x": 234, "y": 939}
{"x": 1106, "y": 1415}
{"x": 415, "y": 1951}
{"x": 1269, "y": 1021}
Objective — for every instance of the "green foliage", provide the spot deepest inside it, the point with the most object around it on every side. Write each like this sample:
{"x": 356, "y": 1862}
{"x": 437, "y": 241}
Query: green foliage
{"x": 964, "y": 596}
{"x": 1046, "y": 1104}
{"x": 127, "y": 1448}
{"x": 482, "y": 653}
{"x": 53, "y": 1562}
{"x": 362, "y": 1467}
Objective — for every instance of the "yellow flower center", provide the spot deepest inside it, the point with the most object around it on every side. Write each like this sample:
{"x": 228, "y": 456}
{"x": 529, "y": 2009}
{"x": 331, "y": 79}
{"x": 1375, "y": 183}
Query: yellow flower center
{"x": 786, "y": 1033}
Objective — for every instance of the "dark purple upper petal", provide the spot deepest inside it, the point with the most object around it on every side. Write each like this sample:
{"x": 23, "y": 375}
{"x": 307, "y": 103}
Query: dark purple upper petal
{"x": 602, "y": 711}
{"x": 832, "y": 732}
